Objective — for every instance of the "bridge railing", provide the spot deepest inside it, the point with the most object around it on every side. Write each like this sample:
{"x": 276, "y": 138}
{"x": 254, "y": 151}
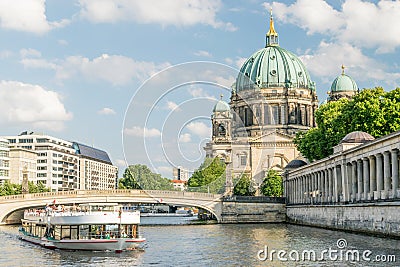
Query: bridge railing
{"x": 127, "y": 192}
{"x": 254, "y": 199}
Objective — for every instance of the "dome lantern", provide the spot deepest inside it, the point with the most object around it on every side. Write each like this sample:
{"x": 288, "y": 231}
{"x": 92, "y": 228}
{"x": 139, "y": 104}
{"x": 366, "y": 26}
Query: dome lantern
{"x": 272, "y": 35}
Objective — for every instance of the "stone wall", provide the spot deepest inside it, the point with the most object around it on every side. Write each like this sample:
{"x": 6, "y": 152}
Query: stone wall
{"x": 373, "y": 218}
{"x": 247, "y": 212}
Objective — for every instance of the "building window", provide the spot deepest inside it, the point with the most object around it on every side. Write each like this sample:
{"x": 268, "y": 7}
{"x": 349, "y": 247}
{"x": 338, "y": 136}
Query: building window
{"x": 243, "y": 160}
{"x": 275, "y": 114}
{"x": 266, "y": 115}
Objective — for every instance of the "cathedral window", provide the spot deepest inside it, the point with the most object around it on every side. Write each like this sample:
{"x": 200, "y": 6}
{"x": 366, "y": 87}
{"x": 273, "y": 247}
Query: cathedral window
{"x": 243, "y": 160}
{"x": 221, "y": 130}
{"x": 275, "y": 114}
{"x": 267, "y": 115}
{"x": 248, "y": 117}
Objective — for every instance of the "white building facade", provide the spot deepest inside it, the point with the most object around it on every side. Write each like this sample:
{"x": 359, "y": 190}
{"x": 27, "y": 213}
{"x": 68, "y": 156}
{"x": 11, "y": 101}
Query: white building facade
{"x": 61, "y": 166}
{"x": 4, "y": 161}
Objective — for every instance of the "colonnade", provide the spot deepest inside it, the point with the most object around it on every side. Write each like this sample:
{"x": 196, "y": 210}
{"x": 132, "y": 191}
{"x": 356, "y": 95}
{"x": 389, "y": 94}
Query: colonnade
{"x": 363, "y": 178}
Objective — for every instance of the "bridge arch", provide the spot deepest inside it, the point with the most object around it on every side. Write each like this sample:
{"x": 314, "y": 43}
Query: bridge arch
{"x": 11, "y": 204}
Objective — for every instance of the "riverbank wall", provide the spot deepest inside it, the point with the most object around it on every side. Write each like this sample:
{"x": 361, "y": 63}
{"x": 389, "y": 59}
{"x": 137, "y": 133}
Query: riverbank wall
{"x": 379, "y": 218}
{"x": 238, "y": 209}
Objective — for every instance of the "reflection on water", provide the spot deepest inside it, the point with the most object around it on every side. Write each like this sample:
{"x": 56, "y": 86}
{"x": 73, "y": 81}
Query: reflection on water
{"x": 202, "y": 245}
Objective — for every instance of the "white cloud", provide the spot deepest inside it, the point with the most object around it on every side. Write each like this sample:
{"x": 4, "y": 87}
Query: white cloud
{"x": 326, "y": 61}
{"x": 324, "y": 18}
{"x": 202, "y": 53}
{"x": 62, "y": 42}
{"x": 27, "y": 16}
{"x": 362, "y": 23}
{"x": 199, "y": 92}
{"x": 165, "y": 171}
{"x": 173, "y": 106}
{"x": 115, "y": 69}
{"x": 237, "y": 62}
{"x": 185, "y": 138}
{"x": 166, "y": 12}
{"x": 199, "y": 128}
{"x": 27, "y": 104}
{"x": 5, "y": 54}
{"x": 106, "y": 111}
{"x": 142, "y": 132}
{"x": 38, "y": 63}
{"x": 120, "y": 163}
{"x": 29, "y": 52}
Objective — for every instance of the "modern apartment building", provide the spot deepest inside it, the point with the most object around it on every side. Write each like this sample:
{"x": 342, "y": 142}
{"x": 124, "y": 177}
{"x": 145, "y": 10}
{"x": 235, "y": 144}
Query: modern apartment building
{"x": 63, "y": 165}
{"x": 4, "y": 161}
{"x": 180, "y": 173}
{"x": 96, "y": 171}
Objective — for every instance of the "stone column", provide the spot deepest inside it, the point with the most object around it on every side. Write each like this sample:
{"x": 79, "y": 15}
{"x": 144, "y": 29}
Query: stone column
{"x": 330, "y": 185}
{"x": 354, "y": 181}
{"x": 359, "y": 180}
{"x": 339, "y": 178}
{"x": 320, "y": 188}
{"x": 326, "y": 190}
{"x": 379, "y": 175}
{"x": 343, "y": 182}
{"x": 348, "y": 181}
{"x": 303, "y": 187}
{"x": 335, "y": 184}
{"x": 386, "y": 174}
{"x": 395, "y": 172}
{"x": 366, "y": 177}
{"x": 372, "y": 176}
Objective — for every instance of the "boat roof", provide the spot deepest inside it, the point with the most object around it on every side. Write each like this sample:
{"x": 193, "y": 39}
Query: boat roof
{"x": 99, "y": 204}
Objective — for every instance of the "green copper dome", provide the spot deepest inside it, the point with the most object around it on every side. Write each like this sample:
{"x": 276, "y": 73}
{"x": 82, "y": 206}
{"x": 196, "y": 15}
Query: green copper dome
{"x": 271, "y": 67}
{"x": 344, "y": 83}
{"x": 221, "y": 106}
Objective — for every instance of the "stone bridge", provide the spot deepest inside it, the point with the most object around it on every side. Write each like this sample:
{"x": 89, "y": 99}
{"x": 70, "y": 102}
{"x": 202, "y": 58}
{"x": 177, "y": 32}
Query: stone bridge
{"x": 11, "y": 207}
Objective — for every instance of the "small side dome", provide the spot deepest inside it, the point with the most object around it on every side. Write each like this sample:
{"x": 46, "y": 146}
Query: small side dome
{"x": 357, "y": 137}
{"x": 221, "y": 106}
{"x": 344, "y": 83}
{"x": 296, "y": 163}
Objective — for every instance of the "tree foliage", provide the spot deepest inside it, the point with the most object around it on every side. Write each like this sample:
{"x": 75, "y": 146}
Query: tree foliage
{"x": 243, "y": 186}
{"x": 15, "y": 189}
{"x": 272, "y": 185}
{"x": 372, "y": 110}
{"x": 141, "y": 177}
{"x": 209, "y": 177}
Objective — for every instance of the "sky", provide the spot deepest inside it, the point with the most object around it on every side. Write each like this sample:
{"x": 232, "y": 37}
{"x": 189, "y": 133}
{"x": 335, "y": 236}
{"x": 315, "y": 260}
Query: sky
{"x": 139, "y": 78}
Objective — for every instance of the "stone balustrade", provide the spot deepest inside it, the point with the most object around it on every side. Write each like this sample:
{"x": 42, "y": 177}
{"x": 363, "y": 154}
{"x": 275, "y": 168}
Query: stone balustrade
{"x": 364, "y": 173}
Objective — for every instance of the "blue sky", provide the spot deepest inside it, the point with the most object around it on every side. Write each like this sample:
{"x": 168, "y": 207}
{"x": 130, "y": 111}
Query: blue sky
{"x": 73, "y": 69}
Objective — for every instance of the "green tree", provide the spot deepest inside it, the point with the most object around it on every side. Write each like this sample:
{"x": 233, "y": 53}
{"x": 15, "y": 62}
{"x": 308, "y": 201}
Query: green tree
{"x": 372, "y": 110}
{"x": 10, "y": 189}
{"x": 272, "y": 185}
{"x": 244, "y": 187}
{"x": 209, "y": 177}
{"x": 141, "y": 177}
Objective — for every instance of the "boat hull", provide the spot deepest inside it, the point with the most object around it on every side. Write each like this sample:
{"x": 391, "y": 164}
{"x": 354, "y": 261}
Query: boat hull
{"x": 117, "y": 244}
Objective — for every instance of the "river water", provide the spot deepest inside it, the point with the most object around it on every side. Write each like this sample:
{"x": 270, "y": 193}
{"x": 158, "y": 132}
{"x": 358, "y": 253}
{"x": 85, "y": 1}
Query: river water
{"x": 176, "y": 242}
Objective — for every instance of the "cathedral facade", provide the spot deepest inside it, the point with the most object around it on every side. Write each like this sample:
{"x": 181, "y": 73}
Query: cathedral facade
{"x": 272, "y": 99}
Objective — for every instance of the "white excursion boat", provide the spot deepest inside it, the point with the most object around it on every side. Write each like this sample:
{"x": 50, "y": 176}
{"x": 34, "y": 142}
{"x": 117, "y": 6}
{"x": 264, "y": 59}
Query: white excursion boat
{"x": 93, "y": 226}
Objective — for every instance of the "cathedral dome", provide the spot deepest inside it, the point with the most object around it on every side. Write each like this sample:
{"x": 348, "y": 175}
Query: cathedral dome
{"x": 357, "y": 137}
{"x": 271, "y": 67}
{"x": 221, "y": 106}
{"x": 344, "y": 83}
